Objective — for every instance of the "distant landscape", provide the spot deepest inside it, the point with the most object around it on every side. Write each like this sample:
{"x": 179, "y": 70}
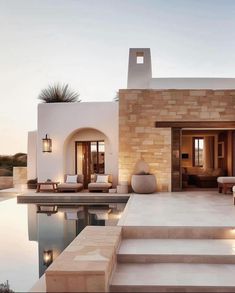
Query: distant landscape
{"x": 8, "y": 162}
{"x": 6, "y": 168}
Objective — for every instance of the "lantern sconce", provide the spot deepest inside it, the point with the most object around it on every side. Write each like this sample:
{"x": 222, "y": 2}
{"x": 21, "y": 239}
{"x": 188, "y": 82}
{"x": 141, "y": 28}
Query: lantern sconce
{"x": 46, "y": 144}
{"x": 47, "y": 257}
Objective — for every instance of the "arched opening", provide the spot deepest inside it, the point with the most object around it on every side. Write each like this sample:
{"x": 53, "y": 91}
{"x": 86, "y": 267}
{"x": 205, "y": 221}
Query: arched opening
{"x": 84, "y": 153}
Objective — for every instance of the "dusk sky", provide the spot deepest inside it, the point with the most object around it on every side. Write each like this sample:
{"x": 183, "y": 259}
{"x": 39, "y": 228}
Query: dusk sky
{"x": 85, "y": 43}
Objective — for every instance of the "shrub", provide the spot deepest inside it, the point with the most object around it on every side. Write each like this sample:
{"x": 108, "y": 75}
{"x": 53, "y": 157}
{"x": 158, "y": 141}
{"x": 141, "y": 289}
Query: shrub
{"x": 58, "y": 94}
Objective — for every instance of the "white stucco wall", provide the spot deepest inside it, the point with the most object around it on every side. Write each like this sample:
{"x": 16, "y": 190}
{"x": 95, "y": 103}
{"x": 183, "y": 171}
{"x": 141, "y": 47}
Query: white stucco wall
{"x": 32, "y": 155}
{"x": 192, "y": 83}
{"x": 63, "y": 122}
{"x": 140, "y": 76}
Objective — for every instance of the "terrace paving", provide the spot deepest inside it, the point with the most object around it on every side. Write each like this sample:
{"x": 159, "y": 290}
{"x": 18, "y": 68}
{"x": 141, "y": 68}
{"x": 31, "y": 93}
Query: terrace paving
{"x": 177, "y": 242}
{"x": 182, "y": 209}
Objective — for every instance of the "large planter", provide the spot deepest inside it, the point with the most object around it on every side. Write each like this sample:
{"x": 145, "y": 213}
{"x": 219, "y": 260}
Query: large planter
{"x": 32, "y": 183}
{"x": 143, "y": 183}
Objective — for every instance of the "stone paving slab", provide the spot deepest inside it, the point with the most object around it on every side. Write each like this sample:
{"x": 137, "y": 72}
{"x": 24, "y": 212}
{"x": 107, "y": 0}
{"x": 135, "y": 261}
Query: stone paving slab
{"x": 173, "y": 277}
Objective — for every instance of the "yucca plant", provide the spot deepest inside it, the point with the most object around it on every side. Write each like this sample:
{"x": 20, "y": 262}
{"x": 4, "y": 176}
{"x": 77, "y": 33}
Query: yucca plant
{"x": 58, "y": 94}
{"x": 116, "y": 98}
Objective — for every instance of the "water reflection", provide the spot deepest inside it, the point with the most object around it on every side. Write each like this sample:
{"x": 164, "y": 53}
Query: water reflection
{"x": 54, "y": 227}
{"x": 18, "y": 255}
{"x": 27, "y": 234}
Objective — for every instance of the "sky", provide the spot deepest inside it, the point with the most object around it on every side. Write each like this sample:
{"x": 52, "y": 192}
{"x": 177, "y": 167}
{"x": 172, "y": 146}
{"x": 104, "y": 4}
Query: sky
{"x": 85, "y": 43}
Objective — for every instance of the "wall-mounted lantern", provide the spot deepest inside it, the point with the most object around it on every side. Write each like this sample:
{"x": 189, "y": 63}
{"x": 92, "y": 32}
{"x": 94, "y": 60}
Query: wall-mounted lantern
{"x": 46, "y": 144}
{"x": 47, "y": 257}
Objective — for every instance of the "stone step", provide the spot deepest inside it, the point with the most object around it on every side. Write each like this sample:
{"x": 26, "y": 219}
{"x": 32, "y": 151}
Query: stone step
{"x": 173, "y": 277}
{"x": 179, "y": 232}
{"x": 177, "y": 250}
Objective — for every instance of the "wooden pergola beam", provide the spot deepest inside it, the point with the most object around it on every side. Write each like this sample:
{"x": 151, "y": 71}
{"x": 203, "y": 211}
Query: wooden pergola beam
{"x": 195, "y": 124}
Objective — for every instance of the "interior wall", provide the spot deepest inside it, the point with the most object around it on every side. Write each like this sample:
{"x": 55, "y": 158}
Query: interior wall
{"x": 187, "y": 146}
{"x": 233, "y": 153}
{"x": 223, "y": 161}
{"x": 229, "y": 154}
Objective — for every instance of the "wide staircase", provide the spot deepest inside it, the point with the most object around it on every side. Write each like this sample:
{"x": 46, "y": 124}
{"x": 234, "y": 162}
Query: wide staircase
{"x": 175, "y": 259}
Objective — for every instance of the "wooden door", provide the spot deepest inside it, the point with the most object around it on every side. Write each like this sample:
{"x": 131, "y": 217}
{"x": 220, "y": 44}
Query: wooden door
{"x": 176, "y": 178}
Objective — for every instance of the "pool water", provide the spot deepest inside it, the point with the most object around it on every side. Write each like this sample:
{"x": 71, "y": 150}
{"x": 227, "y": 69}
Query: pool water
{"x": 25, "y": 235}
{"x": 18, "y": 255}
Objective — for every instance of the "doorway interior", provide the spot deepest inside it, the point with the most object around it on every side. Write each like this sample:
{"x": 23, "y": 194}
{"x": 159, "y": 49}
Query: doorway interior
{"x": 89, "y": 159}
{"x": 206, "y": 155}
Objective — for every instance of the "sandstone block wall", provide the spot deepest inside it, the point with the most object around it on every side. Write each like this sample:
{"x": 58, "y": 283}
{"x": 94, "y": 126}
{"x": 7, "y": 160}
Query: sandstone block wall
{"x": 19, "y": 175}
{"x": 140, "y": 109}
{"x": 6, "y": 182}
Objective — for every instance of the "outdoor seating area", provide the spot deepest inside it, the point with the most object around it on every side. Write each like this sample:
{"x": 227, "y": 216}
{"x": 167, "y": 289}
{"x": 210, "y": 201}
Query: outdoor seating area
{"x": 102, "y": 182}
{"x": 75, "y": 183}
{"x": 71, "y": 183}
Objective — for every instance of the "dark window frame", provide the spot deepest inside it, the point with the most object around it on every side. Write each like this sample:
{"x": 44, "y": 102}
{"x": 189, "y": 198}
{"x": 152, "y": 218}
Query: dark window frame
{"x": 196, "y": 156}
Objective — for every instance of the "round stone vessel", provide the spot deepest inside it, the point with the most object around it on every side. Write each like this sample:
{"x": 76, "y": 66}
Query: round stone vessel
{"x": 144, "y": 183}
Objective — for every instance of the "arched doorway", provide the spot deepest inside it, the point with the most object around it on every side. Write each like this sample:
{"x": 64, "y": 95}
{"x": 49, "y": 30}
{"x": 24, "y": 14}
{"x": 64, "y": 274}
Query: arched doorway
{"x": 85, "y": 153}
{"x": 89, "y": 159}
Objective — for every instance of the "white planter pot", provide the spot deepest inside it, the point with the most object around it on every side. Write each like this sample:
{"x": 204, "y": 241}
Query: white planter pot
{"x": 143, "y": 183}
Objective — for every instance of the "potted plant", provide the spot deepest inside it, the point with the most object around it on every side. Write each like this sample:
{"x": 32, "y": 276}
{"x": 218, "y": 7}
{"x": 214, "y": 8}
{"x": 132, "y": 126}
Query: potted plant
{"x": 58, "y": 93}
{"x": 32, "y": 183}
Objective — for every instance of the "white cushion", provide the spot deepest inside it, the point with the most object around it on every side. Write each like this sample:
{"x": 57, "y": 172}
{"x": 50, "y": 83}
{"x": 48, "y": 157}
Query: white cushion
{"x": 102, "y": 179}
{"x": 226, "y": 179}
{"x": 233, "y": 188}
{"x": 71, "y": 179}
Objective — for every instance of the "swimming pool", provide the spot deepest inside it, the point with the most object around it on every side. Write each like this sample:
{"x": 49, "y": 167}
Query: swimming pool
{"x": 26, "y": 235}
{"x": 18, "y": 255}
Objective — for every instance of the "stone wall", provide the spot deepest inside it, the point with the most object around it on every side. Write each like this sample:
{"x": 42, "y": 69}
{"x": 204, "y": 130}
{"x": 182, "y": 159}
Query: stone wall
{"x": 19, "y": 176}
{"x": 87, "y": 264}
{"x": 140, "y": 109}
{"x": 6, "y": 182}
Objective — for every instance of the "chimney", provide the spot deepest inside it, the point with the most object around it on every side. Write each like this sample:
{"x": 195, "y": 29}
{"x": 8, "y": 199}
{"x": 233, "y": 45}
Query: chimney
{"x": 139, "y": 69}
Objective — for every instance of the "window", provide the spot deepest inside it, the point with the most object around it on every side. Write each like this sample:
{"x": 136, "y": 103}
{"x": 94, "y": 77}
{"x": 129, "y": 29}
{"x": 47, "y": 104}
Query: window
{"x": 140, "y": 58}
{"x": 198, "y": 146}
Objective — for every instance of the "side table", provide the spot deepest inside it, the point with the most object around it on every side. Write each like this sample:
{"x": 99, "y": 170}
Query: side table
{"x": 47, "y": 183}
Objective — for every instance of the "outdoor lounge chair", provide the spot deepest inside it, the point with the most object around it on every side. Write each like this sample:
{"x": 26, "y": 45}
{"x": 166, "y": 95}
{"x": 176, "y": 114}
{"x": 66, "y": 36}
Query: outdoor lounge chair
{"x": 71, "y": 183}
{"x": 102, "y": 182}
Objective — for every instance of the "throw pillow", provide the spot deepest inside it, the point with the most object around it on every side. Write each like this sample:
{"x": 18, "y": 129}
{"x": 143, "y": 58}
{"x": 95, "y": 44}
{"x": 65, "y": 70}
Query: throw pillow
{"x": 71, "y": 179}
{"x": 102, "y": 179}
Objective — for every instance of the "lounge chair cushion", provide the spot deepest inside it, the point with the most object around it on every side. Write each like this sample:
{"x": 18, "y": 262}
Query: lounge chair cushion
{"x": 97, "y": 185}
{"x": 226, "y": 179}
{"x": 70, "y": 186}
